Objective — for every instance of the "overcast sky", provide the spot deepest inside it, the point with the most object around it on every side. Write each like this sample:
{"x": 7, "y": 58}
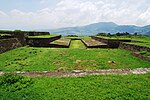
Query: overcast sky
{"x": 49, "y": 14}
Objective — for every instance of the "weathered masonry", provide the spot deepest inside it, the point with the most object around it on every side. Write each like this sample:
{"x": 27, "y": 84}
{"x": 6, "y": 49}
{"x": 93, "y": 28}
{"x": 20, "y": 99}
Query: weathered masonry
{"x": 16, "y": 39}
{"x": 8, "y": 44}
{"x": 111, "y": 43}
{"x": 41, "y": 42}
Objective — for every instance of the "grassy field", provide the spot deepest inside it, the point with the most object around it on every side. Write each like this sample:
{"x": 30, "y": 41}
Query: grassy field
{"x": 77, "y": 57}
{"x": 51, "y": 59}
{"x": 101, "y": 87}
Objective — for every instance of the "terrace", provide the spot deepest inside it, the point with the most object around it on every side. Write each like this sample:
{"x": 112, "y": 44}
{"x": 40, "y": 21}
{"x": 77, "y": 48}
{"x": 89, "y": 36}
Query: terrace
{"x": 61, "y": 43}
{"x": 43, "y": 36}
{"x": 71, "y": 71}
{"x": 91, "y": 43}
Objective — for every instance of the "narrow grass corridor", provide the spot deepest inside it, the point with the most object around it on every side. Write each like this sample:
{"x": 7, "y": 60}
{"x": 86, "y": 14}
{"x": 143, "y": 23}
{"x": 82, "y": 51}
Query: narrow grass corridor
{"x": 77, "y": 44}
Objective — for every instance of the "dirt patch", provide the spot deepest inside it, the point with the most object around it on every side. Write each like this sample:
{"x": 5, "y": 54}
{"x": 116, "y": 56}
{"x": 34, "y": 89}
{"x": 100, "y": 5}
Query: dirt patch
{"x": 112, "y": 64}
{"x": 80, "y": 61}
{"x": 77, "y": 73}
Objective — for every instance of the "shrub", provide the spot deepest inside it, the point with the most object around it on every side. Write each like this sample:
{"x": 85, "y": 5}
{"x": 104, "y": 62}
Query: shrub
{"x": 14, "y": 82}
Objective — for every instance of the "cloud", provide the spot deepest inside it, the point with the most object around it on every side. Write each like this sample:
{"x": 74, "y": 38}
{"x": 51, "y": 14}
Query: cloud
{"x": 42, "y": 1}
{"x": 2, "y": 14}
{"x": 144, "y": 17}
{"x": 67, "y": 13}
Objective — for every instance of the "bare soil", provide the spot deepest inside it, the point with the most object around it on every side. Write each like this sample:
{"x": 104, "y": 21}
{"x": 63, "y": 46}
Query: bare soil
{"x": 77, "y": 73}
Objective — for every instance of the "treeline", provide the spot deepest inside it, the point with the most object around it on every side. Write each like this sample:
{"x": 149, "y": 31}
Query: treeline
{"x": 118, "y": 34}
{"x": 11, "y": 32}
{"x": 72, "y": 36}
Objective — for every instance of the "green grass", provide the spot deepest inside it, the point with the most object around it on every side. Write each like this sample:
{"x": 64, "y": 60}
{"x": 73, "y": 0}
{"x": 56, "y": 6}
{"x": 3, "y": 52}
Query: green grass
{"x": 43, "y": 36}
{"x": 50, "y": 59}
{"x": 14, "y": 82}
{"x": 5, "y": 34}
{"x": 142, "y": 38}
{"x": 102, "y": 87}
{"x": 115, "y": 37}
{"x": 140, "y": 44}
{"x": 144, "y": 41}
{"x": 145, "y": 53}
{"x": 77, "y": 44}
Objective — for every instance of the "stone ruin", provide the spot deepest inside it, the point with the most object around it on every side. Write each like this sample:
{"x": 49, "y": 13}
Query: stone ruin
{"x": 19, "y": 38}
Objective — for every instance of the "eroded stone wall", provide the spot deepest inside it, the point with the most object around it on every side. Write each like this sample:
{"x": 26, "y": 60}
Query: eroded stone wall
{"x": 8, "y": 44}
{"x": 18, "y": 39}
{"x": 41, "y": 42}
{"x": 21, "y": 36}
{"x": 38, "y": 33}
{"x": 134, "y": 48}
{"x": 112, "y": 43}
{"x": 137, "y": 54}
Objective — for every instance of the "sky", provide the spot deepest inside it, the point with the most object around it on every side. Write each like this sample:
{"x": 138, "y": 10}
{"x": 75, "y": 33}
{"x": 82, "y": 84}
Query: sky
{"x": 52, "y": 14}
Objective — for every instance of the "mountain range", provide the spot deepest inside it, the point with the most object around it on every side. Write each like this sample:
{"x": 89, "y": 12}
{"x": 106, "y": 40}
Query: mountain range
{"x": 101, "y": 27}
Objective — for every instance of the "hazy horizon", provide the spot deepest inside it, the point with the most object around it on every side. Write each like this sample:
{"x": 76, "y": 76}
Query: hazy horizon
{"x": 53, "y": 14}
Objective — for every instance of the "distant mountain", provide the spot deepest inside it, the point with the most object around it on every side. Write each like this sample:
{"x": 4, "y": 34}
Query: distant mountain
{"x": 106, "y": 27}
{"x": 146, "y": 30}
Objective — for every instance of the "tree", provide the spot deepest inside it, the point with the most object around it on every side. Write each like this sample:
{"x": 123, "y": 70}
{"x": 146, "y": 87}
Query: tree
{"x": 102, "y": 34}
{"x": 135, "y": 34}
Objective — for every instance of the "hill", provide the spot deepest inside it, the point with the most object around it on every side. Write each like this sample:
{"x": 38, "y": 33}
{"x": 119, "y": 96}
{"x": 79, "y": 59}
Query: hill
{"x": 106, "y": 27}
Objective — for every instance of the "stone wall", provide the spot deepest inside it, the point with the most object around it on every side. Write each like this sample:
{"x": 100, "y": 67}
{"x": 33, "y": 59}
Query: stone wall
{"x": 5, "y": 37}
{"x": 8, "y": 44}
{"x": 112, "y": 43}
{"x": 38, "y": 33}
{"x": 41, "y": 42}
{"x": 21, "y": 36}
{"x": 30, "y": 33}
{"x": 134, "y": 48}
{"x": 18, "y": 39}
{"x": 93, "y": 45}
{"x": 100, "y": 39}
{"x": 59, "y": 46}
{"x": 137, "y": 54}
